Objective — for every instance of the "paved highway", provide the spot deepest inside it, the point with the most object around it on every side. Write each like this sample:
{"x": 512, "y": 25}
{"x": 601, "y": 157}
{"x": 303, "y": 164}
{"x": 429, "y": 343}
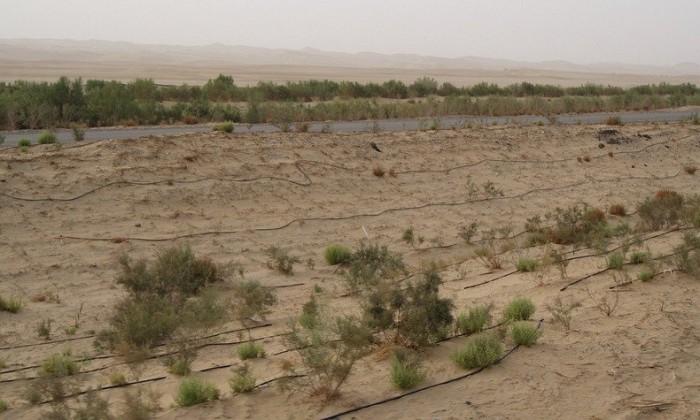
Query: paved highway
{"x": 96, "y": 134}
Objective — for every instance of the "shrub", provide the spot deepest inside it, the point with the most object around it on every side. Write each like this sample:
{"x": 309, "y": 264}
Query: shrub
{"x": 475, "y": 321}
{"x": 526, "y": 265}
{"x": 482, "y": 351}
{"x": 690, "y": 169}
{"x": 378, "y": 171}
{"x": 576, "y": 225}
{"x": 468, "y": 232}
{"x": 47, "y": 137}
{"x": 406, "y": 374}
{"x": 664, "y": 209}
{"x": 250, "y": 350}
{"x": 371, "y": 263}
{"x": 337, "y": 254}
{"x": 561, "y": 312}
{"x": 488, "y": 257}
{"x": 616, "y": 261}
{"x": 242, "y": 380}
{"x": 78, "y": 133}
{"x": 224, "y": 127}
{"x": 524, "y": 333}
{"x": 617, "y": 210}
{"x": 251, "y": 299}
{"x": 43, "y": 330}
{"x": 281, "y": 260}
{"x": 11, "y": 305}
{"x": 614, "y": 120}
{"x": 519, "y": 309}
{"x": 3, "y": 405}
{"x": 116, "y": 378}
{"x": 645, "y": 274}
{"x": 2, "y": 139}
{"x": 59, "y": 364}
{"x": 192, "y": 391}
{"x": 687, "y": 257}
{"x": 24, "y": 142}
{"x": 179, "y": 366}
{"x": 639, "y": 257}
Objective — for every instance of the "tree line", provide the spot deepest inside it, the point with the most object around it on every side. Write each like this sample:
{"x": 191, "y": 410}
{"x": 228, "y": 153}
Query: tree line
{"x": 95, "y": 103}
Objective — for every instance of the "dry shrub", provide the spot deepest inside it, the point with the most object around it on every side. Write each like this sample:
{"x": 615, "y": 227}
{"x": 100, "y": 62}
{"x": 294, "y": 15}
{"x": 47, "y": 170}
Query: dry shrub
{"x": 690, "y": 169}
{"x": 46, "y": 296}
{"x": 617, "y": 210}
{"x": 378, "y": 171}
{"x": 190, "y": 120}
{"x": 613, "y": 120}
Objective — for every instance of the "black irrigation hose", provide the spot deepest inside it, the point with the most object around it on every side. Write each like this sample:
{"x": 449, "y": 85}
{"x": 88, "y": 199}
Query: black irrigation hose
{"x": 44, "y": 343}
{"x": 415, "y": 391}
{"x": 105, "y": 388}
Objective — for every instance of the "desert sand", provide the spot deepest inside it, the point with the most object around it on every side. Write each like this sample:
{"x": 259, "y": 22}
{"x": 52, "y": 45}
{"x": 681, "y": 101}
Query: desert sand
{"x": 67, "y": 214}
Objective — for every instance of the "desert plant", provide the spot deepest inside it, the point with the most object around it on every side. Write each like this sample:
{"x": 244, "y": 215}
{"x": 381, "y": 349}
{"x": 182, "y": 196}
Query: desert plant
{"x": 224, "y": 127}
{"x": 281, "y": 260}
{"x": 559, "y": 260}
{"x": 519, "y": 309}
{"x": 614, "y": 120}
{"x": 59, "y": 364}
{"x": 117, "y": 378}
{"x": 617, "y": 210}
{"x": 645, "y": 274}
{"x": 242, "y": 380}
{"x": 3, "y": 405}
{"x": 250, "y": 300}
{"x": 603, "y": 304}
{"x": 561, "y": 312}
{"x": 378, "y": 171}
{"x": 690, "y": 169}
{"x": 11, "y": 305}
{"x": 616, "y": 261}
{"x": 78, "y": 133}
{"x": 2, "y": 139}
{"x": 408, "y": 236}
{"x": 687, "y": 254}
{"x": 524, "y": 333}
{"x": 526, "y": 264}
{"x": 475, "y": 320}
{"x": 250, "y": 350}
{"x": 47, "y": 137}
{"x": 664, "y": 209}
{"x": 43, "y": 330}
{"x": 178, "y": 365}
{"x": 488, "y": 257}
{"x": 192, "y": 391}
{"x": 337, "y": 254}
{"x": 24, "y": 142}
{"x": 466, "y": 233}
{"x": 142, "y": 405}
{"x": 639, "y": 257}
{"x": 482, "y": 351}
{"x": 406, "y": 373}
{"x": 371, "y": 263}
{"x": 576, "y": 225}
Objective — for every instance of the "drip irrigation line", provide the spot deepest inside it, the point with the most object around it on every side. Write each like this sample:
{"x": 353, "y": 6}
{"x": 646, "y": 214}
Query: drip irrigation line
{"x": 44, "y": 343}
{"x": 107, "y": 387}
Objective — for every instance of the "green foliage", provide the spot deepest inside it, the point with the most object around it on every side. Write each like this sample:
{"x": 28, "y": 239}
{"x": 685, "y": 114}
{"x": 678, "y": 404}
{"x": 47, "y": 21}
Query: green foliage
{"x": 43, "y": 330}
{"x": 142, "y": 405}
{"x": 242, "y": 380}
{"x": 484, "y": 350}
{"x": 117, "y": 378}
{"x": 47, "y": 137}
{"x": 687, "y": 257}
{"x": 24, "y": 142}
{"x": 251, "y": 299}
{"x": 645, "y": 274}
{"x": 406, "y": 373}
{"x": 179, "y": 366}
{"x": 78, "y": 133}
{"x": 250, "y": 350}
{"x": 466, "y": 233}
{"x": 561, "y": 312}
{"x": 475, "y": 321}
{"x": 328, "y": 349}
{"x": 11, "y": 305}
{"x": 192, "y": 391}
{"x": 371, "y": 263}
{"x": 526, "y": 265}
{"x": 576, "y": 225}
{"x": 337, "y": 254}
{"x": 59, "y": 364}
{"x": 639, "y": 257}
{"x": 519, "y": 309}
{"x": 224, "y": 127}
{"x": 281, "y": 260}
{"x": 664, "y": 209}
{"x": 524, "y": 333}
{"x": 616, "y": 261}
{"x": 3, "y": 405}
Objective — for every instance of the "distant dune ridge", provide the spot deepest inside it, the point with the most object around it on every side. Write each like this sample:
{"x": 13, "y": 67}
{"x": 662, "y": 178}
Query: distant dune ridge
{"x": 48, "y": 59}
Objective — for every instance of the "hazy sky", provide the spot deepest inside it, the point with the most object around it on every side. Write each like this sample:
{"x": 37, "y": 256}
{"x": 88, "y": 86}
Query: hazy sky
{"x": 582, "y": 31}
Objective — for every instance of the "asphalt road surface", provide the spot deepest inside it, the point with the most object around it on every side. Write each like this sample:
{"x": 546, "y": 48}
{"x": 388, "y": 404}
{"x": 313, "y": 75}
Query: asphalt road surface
{"x": 449, "y": 122}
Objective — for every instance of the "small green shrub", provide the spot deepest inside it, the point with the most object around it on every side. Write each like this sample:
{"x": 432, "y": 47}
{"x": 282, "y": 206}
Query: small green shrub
{"x": 281, "y": 260}
{"x": 11, "y": 305}
{"x": 371, "y": 263}
{"x": 116, "y": 378}
{"x": 24, "y": 142}
{"x": 337, "y": 254}
{"x": 78, "y": 133}
{"x": 3, "y": 405}
{"x": 406, "y": 374}
{"x": 535, "y": 238}
{"x": 639, "y": 257}
{"x": 664, "y": 209}
{"x": 519, "y": 309}
{"x": 60, "y": 364}
{"x": 224, "y": 127}
{"x": 192, "y": 391}
{"x": 482, "y": 351}
{"x": 524, "y": 333}
{"x": 47, "y": 137}
{"x": 614, "y": 120}
{"x": 466, "y": 233}
{"x": 645, "y": 275}
{"x": 179, "y": 366}
{"x": 242, "y": 380}
{"x": 475, "y": 321}
{"x": 250, "y": 350}
{"x": 43, "y": 330}
{"x": 526, "y": 265}
{"x": 616, "y": 261}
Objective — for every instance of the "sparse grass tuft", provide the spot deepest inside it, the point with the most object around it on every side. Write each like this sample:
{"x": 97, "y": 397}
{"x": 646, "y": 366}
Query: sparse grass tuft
{"x": 475, "y": 321}
{"x": 524, "y": 333}
{"x": 519, "y": 309}
{"x": 117, "y": 378}
{"x": 59, "y": 364}
{"x": 242, "y": 380}
{"x": 616, "y": 261}
{"x": 337, "y": 254}
{"x": 639, "y": 257}
{"x": 10, "y": 305}
{"x": 250, "y": 350}
{"x": 526, "y": 265}
{"x": 614, "y": 120}
{"x": 24, "y": 142}
{"x": 281, "y": 260}
{"x": 406, "y": 374}
{"x": 47, "y": 137}
{"x": 224, "y": 127}
{"x": 645, "y": 274}
{"x": 192, "y": 391}
{"x": 3, "y": 405}
{"x": 482, "y": 351}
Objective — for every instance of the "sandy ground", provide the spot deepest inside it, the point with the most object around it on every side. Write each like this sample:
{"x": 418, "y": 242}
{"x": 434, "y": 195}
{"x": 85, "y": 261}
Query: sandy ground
{"x": 222, "y": 194}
